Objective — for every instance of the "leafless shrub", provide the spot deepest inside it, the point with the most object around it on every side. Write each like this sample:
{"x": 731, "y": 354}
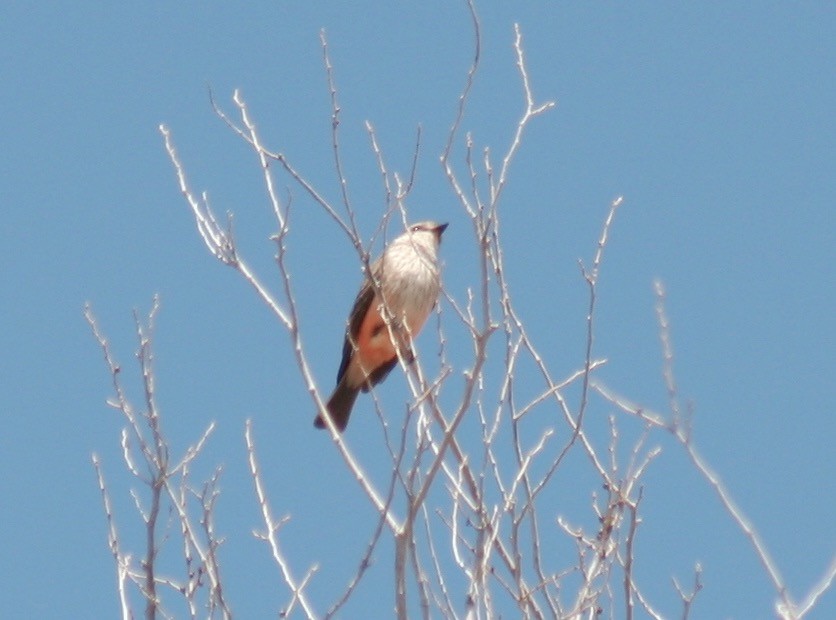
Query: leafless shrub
{"x": 471, "y": 508}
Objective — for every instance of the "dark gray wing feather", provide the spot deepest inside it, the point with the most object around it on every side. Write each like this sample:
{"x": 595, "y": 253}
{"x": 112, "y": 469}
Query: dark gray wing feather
{"x": 355, "y": 320}
{"x": 379, "y": 374}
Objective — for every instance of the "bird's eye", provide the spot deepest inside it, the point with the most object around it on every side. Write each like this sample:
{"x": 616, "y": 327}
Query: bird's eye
{"x": 416, "y": 228}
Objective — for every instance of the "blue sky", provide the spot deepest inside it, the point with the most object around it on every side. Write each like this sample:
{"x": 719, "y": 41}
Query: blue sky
{"x": 713, "y": 120}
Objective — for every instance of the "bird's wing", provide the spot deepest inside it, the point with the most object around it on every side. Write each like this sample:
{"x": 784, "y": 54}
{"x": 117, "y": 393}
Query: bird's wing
{"x": 355, "y": 320}
{"x": 379, "y": 374}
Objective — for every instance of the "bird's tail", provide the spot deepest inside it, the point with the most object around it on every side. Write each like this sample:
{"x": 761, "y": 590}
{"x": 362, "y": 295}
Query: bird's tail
{"x": 339, "y": 406}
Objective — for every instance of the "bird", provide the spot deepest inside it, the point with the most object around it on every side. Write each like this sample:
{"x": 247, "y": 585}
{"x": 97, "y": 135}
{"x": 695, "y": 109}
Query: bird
{"x": 403, "y": 287}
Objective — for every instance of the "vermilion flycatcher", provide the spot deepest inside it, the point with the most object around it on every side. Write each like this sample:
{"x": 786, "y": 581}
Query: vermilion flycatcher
{"x": 405, "y": 289}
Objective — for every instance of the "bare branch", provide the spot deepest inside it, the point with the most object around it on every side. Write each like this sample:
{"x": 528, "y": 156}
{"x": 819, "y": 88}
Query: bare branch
{"x": 271, "y": 533}
{"x": 122, "y": 562}
{"x": 682, "y": 432}
{"x": 151, "y": 453}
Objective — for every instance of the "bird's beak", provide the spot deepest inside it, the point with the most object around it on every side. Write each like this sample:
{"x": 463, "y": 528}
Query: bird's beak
{"x": 440, "y": 229}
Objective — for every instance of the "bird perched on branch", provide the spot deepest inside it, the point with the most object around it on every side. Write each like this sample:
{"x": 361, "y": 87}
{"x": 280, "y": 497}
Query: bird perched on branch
{"x": 395, "y": 301}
